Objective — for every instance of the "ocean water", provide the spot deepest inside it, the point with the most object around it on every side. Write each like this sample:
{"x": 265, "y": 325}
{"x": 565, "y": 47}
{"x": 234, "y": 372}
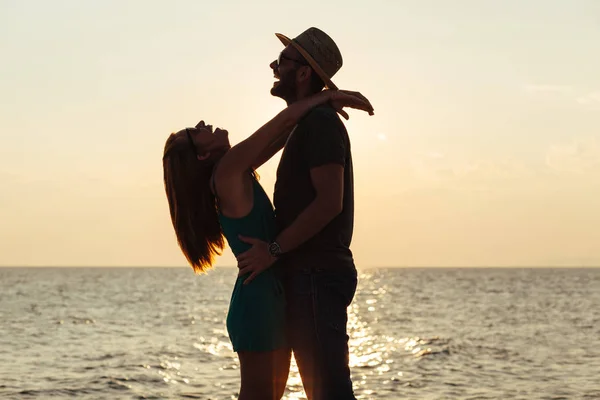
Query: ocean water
{"x": 110, "y": 333}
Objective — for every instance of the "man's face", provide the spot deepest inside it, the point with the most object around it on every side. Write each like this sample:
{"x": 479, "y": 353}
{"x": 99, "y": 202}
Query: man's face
{"x": 284, "y": 70}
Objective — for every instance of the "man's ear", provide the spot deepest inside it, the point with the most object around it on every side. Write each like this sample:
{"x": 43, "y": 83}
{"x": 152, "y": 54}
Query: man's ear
{"x": 203, "y": 156}
{"x": 304, "y": 73}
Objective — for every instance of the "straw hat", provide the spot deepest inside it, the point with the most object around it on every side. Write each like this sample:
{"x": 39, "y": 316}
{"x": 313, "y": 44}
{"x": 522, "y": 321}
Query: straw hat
{"x": 319, "y": 50}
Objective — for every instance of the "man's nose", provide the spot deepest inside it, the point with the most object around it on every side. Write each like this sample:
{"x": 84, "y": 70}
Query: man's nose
{"x": 273, "y": 65}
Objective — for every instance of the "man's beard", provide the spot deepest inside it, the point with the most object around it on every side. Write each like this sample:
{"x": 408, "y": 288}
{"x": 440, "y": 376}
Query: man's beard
{"x": 285, "y": 88}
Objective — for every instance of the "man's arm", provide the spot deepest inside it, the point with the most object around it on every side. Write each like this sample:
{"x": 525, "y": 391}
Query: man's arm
{"x": 326, "y": 157}
{"x": 328, "y": 182}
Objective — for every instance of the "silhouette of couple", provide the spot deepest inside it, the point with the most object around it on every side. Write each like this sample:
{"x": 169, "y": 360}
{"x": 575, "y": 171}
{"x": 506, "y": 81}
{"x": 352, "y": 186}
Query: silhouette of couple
{"x": 296, "y": 270}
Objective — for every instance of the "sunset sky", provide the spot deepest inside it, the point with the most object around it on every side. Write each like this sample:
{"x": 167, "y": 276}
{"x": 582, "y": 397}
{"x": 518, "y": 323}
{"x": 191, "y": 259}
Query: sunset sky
{"x": 484, "y": 149}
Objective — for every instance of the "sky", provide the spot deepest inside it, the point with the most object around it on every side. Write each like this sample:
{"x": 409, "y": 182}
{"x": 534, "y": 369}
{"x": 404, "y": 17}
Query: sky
{"x": 484, "y": 149}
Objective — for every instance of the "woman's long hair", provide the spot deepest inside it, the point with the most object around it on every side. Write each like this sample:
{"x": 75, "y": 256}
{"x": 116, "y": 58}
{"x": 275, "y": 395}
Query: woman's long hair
{"x": 192, "y": 203}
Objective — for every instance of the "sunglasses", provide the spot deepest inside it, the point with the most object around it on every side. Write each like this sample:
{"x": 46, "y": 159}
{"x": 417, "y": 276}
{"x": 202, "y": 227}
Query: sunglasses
{"x": 283, "y": 56}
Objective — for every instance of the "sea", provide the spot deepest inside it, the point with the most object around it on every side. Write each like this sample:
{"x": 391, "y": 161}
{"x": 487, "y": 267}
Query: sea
{"x": 415, "y": 333}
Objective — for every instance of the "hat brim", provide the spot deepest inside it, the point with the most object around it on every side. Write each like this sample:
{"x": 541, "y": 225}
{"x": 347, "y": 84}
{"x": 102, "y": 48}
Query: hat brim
{"x": 311, "y": 61}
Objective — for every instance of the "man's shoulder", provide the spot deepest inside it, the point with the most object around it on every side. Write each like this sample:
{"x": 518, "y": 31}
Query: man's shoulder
{"x": 321, "y": 119}
{"x": 322, "y": 114}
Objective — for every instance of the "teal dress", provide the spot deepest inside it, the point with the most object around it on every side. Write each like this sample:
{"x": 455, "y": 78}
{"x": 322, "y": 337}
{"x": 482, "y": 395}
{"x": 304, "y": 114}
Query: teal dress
{"x": 256, "y": 316}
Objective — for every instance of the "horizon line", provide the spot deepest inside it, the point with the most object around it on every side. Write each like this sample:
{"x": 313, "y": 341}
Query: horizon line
{"x": 358, "y": 267}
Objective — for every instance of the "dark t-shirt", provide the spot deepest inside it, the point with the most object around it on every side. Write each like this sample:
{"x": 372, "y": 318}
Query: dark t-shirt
{"x": 319, "y": 139}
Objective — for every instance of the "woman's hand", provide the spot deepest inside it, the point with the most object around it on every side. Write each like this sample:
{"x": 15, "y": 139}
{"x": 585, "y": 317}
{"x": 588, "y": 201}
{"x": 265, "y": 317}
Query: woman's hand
{"x": 346, "y": 98}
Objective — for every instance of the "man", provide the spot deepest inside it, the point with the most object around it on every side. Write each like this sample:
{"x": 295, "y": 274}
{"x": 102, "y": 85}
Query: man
{"x": 314, "y": 204}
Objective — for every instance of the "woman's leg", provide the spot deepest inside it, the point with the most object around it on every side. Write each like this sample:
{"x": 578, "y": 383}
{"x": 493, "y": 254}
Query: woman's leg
{"x": 264, "y": 374}
{"x": 282, "y": 369}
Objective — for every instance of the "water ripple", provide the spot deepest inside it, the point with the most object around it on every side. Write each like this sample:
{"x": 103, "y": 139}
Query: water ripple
{"x": 414, "y": 334}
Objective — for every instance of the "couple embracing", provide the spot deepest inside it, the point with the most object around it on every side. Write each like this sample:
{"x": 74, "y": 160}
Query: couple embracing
{"x": 296, "y": 270}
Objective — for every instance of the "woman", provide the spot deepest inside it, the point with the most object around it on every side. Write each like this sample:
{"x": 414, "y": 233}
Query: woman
{"x": 214, "y": 195}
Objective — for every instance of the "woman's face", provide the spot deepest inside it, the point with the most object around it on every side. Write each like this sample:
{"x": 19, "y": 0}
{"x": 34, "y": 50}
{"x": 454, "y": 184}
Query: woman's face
{"x": 205, "y": 140}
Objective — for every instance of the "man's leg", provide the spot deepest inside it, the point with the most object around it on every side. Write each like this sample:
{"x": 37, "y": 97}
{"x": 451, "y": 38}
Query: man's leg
{"x": 300, "y": 325}
{"x": 317, "y": 316}
{"x": 335, "y": 290}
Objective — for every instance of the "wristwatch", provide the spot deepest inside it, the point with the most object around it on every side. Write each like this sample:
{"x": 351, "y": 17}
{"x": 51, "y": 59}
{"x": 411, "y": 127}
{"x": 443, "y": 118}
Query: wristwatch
{"x": 274, "y": 249}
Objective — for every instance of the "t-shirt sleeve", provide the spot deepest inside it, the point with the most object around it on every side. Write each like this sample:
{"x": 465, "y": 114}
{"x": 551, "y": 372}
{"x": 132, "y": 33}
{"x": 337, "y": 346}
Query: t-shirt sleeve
{"x": 324, "y": 140}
